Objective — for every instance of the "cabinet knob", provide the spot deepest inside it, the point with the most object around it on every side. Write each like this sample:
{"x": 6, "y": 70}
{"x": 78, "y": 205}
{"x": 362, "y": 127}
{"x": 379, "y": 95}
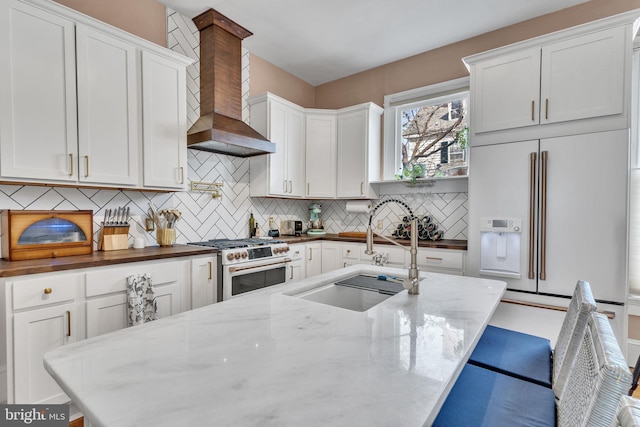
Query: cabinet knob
{"x": 47, "y": 291}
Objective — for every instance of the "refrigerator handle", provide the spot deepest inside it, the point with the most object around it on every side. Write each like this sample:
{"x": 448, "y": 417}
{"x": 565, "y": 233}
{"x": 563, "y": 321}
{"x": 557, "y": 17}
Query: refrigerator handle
{"x": 543, "y": 216}
{"x": 532, "y": 203}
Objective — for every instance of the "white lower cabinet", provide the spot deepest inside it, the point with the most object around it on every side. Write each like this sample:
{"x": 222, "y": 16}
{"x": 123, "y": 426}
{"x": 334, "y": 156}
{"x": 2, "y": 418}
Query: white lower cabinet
{"x": 48, "y": 310}
{"x": 313, "y": 259}
{"x": 35, "y": 333}
{"x": 331, "y": 256}
{"x": 44, "y": 316}
{"x": 203, "y": 281}
{"x": 447, "y": 261}
{"x": 296, "y": 269}
{"x": 350, "y": 254}
{"x": 106, "y": 291}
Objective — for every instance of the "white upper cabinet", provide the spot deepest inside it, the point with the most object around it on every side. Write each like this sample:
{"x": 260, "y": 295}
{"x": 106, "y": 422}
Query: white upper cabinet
{"x": 70, "y": 109}
{"x": 164, "y": 122}
{"x": 281, "y": 173}
{"x": 506, "y": 91}
{"x": 38, "y": 138}
{"x": 107, "y": 108}
{"x": 545, "y": 85}
{"x": 321, "y": 158}
{"x": 358, "y": 150}
{"x": 583, "y": 77}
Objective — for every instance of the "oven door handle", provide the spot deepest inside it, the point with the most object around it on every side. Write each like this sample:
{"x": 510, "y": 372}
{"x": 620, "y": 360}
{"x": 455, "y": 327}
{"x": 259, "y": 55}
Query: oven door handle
{"x": 258, "y": 267}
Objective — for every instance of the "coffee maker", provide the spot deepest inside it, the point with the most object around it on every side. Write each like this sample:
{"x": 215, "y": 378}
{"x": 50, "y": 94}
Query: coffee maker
{"x": 315, "y": 223}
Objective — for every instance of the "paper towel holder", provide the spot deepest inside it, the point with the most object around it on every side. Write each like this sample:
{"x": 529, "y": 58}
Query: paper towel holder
{"x": 358, "y": 206}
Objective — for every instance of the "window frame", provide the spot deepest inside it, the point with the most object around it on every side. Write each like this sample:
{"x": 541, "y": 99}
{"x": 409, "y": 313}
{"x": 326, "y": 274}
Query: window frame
{"x": 395, "y": 103}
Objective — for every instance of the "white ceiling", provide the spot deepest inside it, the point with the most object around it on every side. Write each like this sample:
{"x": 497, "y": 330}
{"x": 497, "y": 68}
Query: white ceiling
{"x": 321, "y": 41}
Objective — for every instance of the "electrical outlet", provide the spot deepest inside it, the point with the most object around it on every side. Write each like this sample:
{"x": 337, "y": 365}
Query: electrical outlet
{"x": 380, "y": 224}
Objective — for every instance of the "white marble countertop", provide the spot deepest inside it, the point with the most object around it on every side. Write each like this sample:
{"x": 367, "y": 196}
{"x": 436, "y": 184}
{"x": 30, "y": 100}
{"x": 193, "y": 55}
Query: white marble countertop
{"x": 269, "y": 359}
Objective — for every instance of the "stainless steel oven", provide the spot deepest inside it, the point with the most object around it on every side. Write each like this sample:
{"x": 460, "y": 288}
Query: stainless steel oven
{"x": 248, "y": 265}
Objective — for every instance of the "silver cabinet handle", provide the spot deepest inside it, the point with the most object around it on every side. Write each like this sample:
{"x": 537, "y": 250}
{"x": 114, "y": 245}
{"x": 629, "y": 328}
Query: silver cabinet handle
{"x": 310, "y": 254}
{"x": 291, "y": 277}
{"x": 86, "y": 166}
{"x": 70, "y": 164}
{"x": 290, "y": 187}
{"x": 181, "y": 175}
{"x": 284, "y": 186}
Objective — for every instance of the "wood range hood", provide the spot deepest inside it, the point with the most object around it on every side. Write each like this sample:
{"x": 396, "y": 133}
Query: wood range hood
{"x": 220, "y": 128}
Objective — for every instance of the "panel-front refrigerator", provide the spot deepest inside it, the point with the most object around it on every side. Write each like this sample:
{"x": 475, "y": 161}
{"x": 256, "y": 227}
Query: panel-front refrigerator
{"x": 570, "y": 194}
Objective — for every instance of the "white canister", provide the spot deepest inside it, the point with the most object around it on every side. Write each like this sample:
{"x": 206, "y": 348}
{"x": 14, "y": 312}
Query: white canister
{"x": 138, "y": 243}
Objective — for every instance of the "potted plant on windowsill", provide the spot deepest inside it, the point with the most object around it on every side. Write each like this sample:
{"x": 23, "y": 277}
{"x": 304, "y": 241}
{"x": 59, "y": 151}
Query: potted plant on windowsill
{"x": 412, "y": 172}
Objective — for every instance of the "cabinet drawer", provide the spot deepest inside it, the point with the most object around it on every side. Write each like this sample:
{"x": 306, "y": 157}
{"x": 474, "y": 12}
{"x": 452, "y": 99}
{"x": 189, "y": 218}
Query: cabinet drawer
{"x": 110, "y": 280}
{"x": 45, "y": 290}
{"x": 297, "y": 252}
{"x": 350, "y": 252}
{"x": 440, "y": 259}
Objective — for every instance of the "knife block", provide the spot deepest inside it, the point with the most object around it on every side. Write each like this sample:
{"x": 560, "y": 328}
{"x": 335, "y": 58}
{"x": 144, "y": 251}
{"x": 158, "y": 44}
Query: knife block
{"x": 114, "y": 237}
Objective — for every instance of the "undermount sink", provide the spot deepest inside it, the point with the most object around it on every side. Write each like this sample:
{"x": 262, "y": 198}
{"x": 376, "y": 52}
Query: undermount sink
{"x": 356, "y": 298}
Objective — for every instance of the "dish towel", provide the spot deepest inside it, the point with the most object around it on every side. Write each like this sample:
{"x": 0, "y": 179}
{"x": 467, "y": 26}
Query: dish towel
{"x": 141, "y": 299}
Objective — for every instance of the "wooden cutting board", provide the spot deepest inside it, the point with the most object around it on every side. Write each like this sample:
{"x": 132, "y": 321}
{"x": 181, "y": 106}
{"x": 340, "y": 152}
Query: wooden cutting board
{"x": 359, "y": 234}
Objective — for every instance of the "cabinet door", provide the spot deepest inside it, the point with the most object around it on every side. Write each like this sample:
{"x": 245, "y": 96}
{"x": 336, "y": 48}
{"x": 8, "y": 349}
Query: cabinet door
{"x": 38, "y": 121}
{"x": 295, "y": 270}
{"x": 583, "y": 77}
{"x": 203, "y": 282}
{"x": 168, "y": 299}
{"x": 277, "y": 114}
{"x": 36, "y": 332}
{"x": 295, "y": 154}
{"x": 321, "y": 158}
{"x": 107, "y": 109}
{"x": 164, "y": 122}
{"x": 106, "y": 314}
{"x": 505, "y": 91}
{"x": 313, "y": 259}
{"x": 352, "y": 155}
{"x": 331, "y": 256}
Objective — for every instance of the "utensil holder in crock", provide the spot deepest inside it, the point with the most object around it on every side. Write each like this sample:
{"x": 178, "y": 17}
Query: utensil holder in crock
{"x": 166, "y": 236}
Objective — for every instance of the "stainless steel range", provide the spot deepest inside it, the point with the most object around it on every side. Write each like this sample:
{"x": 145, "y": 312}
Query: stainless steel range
{"x": 246, "y": 265}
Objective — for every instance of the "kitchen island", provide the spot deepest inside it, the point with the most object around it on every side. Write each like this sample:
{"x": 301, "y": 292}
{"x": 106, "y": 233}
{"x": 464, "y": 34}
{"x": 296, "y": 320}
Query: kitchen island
{"x": 272, "y": 358}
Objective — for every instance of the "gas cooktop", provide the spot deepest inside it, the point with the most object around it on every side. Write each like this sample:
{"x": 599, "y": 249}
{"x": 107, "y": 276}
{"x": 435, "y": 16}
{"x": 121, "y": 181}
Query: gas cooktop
{"x": 222, "y": 244}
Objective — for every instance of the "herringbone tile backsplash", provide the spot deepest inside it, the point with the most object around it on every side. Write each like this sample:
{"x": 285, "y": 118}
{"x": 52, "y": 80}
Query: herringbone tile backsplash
{"x": 206, "y": 218}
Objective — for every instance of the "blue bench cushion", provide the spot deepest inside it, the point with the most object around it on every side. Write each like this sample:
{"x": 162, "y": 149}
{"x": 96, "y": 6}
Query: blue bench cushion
{"x": 481, "y": 397}
{"x": 519, "y": 355}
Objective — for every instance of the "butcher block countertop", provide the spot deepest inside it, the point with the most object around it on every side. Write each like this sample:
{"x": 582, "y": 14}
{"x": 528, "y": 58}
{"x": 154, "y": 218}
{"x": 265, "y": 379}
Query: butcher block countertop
{"x": 359, "y": 237}
{"x": 98, "y": 259}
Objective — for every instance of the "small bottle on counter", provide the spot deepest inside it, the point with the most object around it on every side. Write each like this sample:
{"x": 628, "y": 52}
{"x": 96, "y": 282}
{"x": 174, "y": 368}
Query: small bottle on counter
{"x": 252, "y": 225}
{"x": 256, "y": 233}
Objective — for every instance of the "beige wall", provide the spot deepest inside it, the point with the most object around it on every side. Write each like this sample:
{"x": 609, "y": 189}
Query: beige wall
{"x": 144, "y": 18}
{"x": 266, "y": 77}
{"x": 445, "y": 63}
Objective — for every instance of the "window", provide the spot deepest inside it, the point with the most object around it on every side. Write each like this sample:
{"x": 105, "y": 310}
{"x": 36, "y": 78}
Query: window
{"x": 428, "y": 128}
